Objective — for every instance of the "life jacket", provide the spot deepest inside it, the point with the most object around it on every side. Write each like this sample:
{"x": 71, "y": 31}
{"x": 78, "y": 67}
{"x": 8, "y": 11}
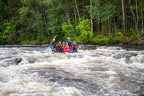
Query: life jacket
{"x": 67, "y": 47}
{"x": 59, "y": 46}
{"x": 54, "y": 44}
{"x": 74, "y": 45}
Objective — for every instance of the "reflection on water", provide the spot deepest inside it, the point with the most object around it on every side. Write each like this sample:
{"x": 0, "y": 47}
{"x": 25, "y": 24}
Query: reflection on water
{"x": 27, "y": 70}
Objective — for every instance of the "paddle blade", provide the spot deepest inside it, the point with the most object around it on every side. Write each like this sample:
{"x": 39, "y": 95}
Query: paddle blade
{"x": 48, "y": 49}
{"x": 80, "y": 45}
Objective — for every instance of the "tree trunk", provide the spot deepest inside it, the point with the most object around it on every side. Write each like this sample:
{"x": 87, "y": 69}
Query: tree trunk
{"x": 67, "y": 17}
{"x": 44, "y": 18}
{"x": 75, "y": 15}
{"x": 137, "y": 13}
{"x": 68, "y": 20}
{"x": 77, "y": 10}
{"x": 91, "y": 17}
{"x": 135, "y": 20}
{"x": 99, "y": 30}
{"x": 123, "y": 22}
{"x": 115, "y": 27}
{"x": 97, "y": 4}
{"x": 142, "y": 21}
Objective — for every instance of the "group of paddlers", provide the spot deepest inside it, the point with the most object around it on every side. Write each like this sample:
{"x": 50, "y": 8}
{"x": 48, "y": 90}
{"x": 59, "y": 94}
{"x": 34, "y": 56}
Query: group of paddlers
{"x": 68, "y": 46}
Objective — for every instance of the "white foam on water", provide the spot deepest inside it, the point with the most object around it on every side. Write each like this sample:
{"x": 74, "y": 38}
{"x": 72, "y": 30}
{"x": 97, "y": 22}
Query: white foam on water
{"x": 14, "y": 83}
{"x": 67, "y": 91}
{"x": 98, "y": 66}
{"x": 138, "y": 61}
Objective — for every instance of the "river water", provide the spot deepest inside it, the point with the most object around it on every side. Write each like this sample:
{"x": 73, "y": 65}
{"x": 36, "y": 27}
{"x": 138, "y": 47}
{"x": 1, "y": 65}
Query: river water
{"x": 28, "y": 70}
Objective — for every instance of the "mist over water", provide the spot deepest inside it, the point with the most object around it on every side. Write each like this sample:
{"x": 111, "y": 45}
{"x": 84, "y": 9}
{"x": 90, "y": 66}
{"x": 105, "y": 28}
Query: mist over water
{"x": 28, "y": 70}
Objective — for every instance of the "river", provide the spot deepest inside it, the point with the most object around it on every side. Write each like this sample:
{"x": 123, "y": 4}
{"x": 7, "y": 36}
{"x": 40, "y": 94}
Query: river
{"x": 28, "y": 70}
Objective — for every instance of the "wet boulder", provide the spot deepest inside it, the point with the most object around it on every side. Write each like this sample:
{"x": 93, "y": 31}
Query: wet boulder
{"x": 11, "y": 61}
{"x": 17, "y": 60}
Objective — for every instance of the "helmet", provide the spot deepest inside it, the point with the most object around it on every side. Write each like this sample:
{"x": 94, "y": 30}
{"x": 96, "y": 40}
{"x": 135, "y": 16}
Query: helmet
{"x": 68, "y": 37}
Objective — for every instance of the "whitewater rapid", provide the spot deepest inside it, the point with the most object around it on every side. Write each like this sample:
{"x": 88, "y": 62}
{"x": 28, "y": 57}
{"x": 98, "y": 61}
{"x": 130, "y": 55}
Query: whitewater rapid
{"x": 28, "y": 70}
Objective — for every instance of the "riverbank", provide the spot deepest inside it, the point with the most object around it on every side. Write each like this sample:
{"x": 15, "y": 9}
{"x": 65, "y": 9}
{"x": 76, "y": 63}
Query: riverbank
{"x": 136, "y": 44}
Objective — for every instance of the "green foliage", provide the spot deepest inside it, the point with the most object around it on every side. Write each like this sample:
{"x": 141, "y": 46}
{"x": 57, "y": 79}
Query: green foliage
{"x": 104, "y": 29}
{"x": 102, "y": 39}
{"x": 55, "y": 17}
{"x": 115, "y": 39}
{"x": 79, "y": 39}
{"x": 84, "y": 28}
{"x": 9, "y": 33}
{"x": 121, "y": 34}
{"x": 23, "y": 11}
{"x": 105, "y": 12}
{"x": 133, "y": 34}
{"x": 66, "y": 28}
{"x": 100, "y": 36}
{"x": 40, "y": 20}
{"x": 142, "y": 32}
{"x": 9, "y": 28}
{"x": 2, "y": 11}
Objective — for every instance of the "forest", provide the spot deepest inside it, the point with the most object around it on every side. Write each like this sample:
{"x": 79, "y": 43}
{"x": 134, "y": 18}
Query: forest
{"x": 86, "y": 21}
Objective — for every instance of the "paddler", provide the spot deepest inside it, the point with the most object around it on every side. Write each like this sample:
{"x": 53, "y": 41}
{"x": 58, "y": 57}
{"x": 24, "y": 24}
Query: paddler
{"x": 74, "y": 46}
{"x": 55, "y": 46}
{"x": 69, "y": 41}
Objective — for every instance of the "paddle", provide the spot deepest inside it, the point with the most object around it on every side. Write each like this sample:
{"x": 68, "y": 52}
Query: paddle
{"x": 48, "y": 49}
{"x": 80, "y": 45}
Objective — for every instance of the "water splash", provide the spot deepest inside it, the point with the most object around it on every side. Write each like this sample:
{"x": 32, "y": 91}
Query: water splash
{"x": 94, "y": 71}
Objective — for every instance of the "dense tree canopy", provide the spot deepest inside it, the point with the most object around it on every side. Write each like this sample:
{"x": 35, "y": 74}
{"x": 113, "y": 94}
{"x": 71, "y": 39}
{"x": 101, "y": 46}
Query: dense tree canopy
{"x": 24, "y": 21}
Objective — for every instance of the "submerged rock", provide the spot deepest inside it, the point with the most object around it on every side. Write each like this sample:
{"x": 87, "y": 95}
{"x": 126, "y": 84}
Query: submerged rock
{"x": 67, "y": 79}
{"x": 11, "y": 61}
{"x": 17, "y": 60}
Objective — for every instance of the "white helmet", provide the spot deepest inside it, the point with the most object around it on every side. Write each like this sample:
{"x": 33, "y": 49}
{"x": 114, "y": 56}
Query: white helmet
{"x": 68, "y": 37}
